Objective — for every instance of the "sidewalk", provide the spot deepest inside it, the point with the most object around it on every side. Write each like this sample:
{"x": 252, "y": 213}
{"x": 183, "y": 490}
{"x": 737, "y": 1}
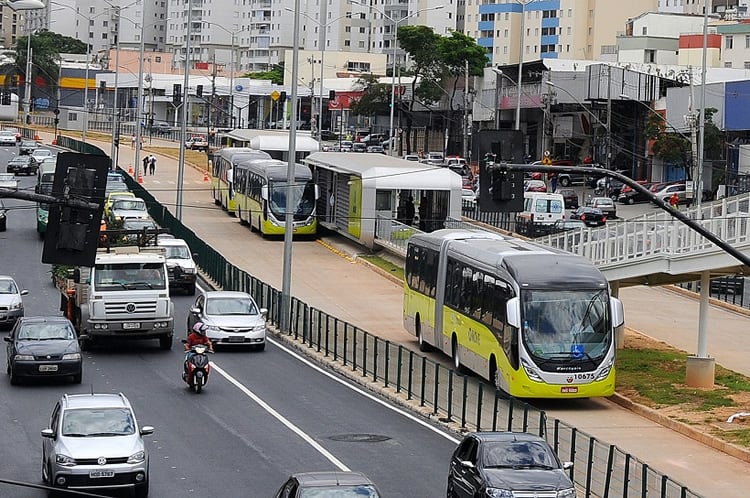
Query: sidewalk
{"x": 364, "y": 298}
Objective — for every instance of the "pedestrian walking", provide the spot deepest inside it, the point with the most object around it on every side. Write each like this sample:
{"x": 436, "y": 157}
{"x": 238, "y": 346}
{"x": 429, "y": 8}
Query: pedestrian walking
{"x": 132, "y": 141}
{"x": 553, "y": 181}
{"x": 151, "y": 164}
{"x": 145, "y": 164}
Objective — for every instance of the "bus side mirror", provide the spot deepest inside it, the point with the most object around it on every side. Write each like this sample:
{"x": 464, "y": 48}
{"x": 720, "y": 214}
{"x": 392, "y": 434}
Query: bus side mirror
{"x": 513, "y": 312}
{"x": 618, "y": 314}
{"x": 264, "y": 192}
{"x": 317, "y": 193}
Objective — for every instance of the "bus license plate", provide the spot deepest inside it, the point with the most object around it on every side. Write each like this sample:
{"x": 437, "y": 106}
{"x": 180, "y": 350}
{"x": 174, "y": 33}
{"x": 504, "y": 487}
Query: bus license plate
{"x": 131, "y": 325}
{"x": 95, "y": 474}
{"x": 48, "y": 368}
{"x": 569, "y": 389}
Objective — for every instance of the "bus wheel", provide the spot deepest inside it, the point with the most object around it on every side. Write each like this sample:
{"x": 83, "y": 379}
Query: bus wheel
{"x": 493, "y": 371}
{"x": 456, "y": 355}
{"x": 423, "y": 346}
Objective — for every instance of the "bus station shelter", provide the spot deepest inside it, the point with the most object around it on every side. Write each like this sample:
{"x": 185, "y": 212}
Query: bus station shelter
{"x": 274, "y": 142}
{"x": 360, "y": 190}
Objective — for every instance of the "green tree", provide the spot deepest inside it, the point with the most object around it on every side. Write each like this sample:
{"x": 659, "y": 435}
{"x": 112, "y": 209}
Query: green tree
{"x": 46, "y": 47}
{"x": 275, "y": 74}
{"x": 375, "y": 99}
{"x": 457, "y": 53}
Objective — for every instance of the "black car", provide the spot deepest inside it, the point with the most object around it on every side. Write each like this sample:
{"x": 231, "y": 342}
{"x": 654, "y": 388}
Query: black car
{"x": 631, "y": 196}
{"x": 570, "y": 197}
{"x": 593, "y": 217}
{"x": 507, "y": 464}
{"x": 565, "y": 225}
{"x": 22, "y": 165}
{"x": 328, "y": 135}
{"x": 28, "y": 146}
{"x": 43, "y": 347}
{"x": 3, "y": 217}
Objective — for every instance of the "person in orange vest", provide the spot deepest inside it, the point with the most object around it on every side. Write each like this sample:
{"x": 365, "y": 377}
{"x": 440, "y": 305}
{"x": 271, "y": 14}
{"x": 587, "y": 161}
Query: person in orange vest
{"x": 674, "y": 200}
{"x": 102, "y": 235}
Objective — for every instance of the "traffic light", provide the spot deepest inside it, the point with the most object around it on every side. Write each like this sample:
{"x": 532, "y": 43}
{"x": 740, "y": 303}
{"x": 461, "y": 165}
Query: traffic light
{"x": 282, "y": 97}
{"x": 5, "y": 98}
{"x": 72, "y": 233}
{"x": 176, "y": 94}
{"x": 500, "y": 185}
{"x": 332, "y": 95}
{"x": 199, "y": 91}
{"x": 500, "y": 190}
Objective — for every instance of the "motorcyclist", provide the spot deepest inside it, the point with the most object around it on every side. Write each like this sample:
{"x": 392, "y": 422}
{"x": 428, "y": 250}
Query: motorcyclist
{"x": 197, "y": 336}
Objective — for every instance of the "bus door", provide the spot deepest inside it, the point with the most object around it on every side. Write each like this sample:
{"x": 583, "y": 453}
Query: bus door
{"x": 442, "y": 265}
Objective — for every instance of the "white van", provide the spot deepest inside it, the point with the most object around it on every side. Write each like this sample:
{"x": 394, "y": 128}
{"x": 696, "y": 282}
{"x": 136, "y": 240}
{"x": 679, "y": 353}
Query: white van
{"x": 540, "y": 211}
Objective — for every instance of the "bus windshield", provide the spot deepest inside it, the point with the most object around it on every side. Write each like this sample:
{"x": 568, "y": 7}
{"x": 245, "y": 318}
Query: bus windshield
{"x": 566, "y": 325}
{"x": 303, "y": 199}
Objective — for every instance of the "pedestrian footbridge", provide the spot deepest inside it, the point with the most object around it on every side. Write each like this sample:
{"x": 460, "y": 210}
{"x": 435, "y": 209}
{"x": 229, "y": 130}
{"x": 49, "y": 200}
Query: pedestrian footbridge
{"x": 657, "y": 249}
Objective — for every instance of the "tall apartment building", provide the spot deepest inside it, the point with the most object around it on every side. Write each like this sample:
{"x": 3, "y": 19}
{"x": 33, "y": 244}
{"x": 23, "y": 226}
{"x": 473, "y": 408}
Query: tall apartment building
{"x": 556, "y": 29}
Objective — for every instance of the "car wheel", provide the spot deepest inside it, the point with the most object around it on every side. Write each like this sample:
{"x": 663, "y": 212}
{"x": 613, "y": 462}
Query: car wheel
{"x": 14, "y": 380}
{"x": 260, "y": 347}
{"x": 565, "y": 181}
{"x": 451, "y": 492}
{"x": 78, "y": 378}
{"x": 3, "y": 225}
{"x": 165, "y": 342}
{"x": 141, "y": 490}
{"x": 630, "y": 201}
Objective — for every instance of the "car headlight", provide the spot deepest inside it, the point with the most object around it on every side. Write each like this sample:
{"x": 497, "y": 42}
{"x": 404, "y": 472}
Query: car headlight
{"x": 531, "y": 371}
{"x": 24, "y": 357}
{"x": 567, "y": 493}
{"x": 499, "y": 493}
{"x": 137, "y": 457}
{"x": 188, "y": 270}
{"x": 17, "y": 306}
{"x": 64, "y": 460}
{"x": 71, "y": 356}
{"x": 258, "y": 328}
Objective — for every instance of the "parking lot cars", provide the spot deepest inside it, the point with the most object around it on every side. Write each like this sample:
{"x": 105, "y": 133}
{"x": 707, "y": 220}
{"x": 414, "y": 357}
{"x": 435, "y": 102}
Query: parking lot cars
{"x": 93, "y": 441}
{"x": 628, "y": 195}
{"x": 592, "y": 217}
{"x": 668, "y": 190}
{"x": 43, "y": 347}
{"x": 196, "y": 142}
{"x": 232, "y": 318}
{"x": 11, "y": 301}
{"x": 336, "y": 484}
{"x": 180, "y": 263}
{"x": 570, "y": 197}
{"x": 27, "y": 146}
{"x": 507, "y": 464}
{"x": 605, "y": 205}
{"x": 3, "y": 216}
{"x": 8, "y": 137}
{"x": 22, "y": 165}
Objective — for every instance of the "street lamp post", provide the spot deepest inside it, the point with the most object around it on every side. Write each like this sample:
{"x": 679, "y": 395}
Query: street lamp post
{"x": 183, "y": 121}
{"x": 231, "y": 69}
{"x": 520, "y": 61}
{"x": 395, "y": 22}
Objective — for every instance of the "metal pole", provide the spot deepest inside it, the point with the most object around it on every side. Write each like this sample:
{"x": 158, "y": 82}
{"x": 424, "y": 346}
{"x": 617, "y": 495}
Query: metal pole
{"x": 115, "y": 109}
{"x": 86, "y": 90}
{"x": 520, "y": 66}
{"x": 286, "y": 288}
{"x": 139, "y": 112}
{"x": 183, "y": 123}
{"x": 231, "y": 85}
{"x": 698, "y": 177}
{"x": 27, "y": 76}
{"x": 466, "y": 113}
{"x": 391, "y": 140}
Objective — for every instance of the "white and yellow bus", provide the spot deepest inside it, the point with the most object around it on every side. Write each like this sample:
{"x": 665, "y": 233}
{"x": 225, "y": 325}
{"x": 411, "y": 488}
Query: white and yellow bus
{"x": 536, "y": 321}
{"x": 222, "y": 184}
{"x": 261, "y": 197}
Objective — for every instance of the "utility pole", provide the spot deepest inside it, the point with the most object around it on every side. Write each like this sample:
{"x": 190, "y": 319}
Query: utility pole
{"x": 609, "y": 124}
{"x": 465, "y": 121}
{"x": 691, "y": 118}
{"x": 547, "y": 99}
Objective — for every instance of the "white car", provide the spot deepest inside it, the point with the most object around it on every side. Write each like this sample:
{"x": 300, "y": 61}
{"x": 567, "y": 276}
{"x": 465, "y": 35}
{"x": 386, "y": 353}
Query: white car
{"x": 8, "y": 137}
{"x": 180, "y": 263}
{"x": 232, "y": 317}
{"x": 40, "y": 154}
{"x": 128, "y": 207}
{"x": 11, "y": 302}
{"x": 8, "y": 180}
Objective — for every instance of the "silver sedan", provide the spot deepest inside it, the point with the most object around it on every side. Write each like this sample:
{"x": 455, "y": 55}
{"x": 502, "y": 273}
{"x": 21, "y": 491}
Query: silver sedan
{"x": 233, "y": 318}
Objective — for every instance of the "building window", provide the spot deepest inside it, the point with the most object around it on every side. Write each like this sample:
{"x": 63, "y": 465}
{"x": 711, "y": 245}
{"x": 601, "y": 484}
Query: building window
{"x": 728, "y": 64}
{"x": 729, "y": 42}
{"x": 358, "y": 67}
{"x": 649, "y": 56}
{"x": 644, "y": 30}
{"x": 747, "y": 41}
{"x": 747, "y": 64}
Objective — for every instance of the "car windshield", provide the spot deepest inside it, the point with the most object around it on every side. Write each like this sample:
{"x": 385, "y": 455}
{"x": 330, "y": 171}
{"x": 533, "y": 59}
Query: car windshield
{"x": 42, "y": 152}
{"x": 45, "y": 332}
{"x": 177, "y": 252}
{"x": 93, "y": 422}
{"x": 8, "y": 287}
{"x": 564, "y": 325}
{"x": 230, "y": 306}
{"x": 129, "y": 205}
{"x": 518, "y": 454}
{"x": 604, "y": 202}
{"x": 141, "y": 276}
{"x": 356, "y": 491}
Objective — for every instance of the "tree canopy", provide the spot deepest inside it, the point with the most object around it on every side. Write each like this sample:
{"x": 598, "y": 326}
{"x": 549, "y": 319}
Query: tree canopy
{"x": 276, "y": 74}
{"x": 46, "y": 47}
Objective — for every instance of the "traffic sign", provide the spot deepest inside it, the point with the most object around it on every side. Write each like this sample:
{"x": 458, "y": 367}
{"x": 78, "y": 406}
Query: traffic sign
{"x": 275, "y": 95}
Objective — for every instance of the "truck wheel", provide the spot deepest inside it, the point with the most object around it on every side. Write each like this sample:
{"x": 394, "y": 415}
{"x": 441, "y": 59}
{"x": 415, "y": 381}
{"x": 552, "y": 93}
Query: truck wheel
{"x": 190, "y": 289}
{"x": 165, "y": 342}
{"x": 85, "y": 343}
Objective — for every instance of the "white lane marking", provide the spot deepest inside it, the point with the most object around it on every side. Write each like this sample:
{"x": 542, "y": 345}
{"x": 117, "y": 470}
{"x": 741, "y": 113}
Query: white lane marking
{"x": 364, "y": 393}
{"x": 308, "y": 439}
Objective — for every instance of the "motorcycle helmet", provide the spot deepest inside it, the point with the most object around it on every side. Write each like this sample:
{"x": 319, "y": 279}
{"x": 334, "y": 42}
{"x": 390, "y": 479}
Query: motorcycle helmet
{"x": 200, "y": 328}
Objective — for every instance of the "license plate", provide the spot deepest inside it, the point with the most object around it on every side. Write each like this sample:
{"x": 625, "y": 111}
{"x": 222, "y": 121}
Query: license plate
{"x": 571, "y": 389}
{"x": 95, "y": 474}
{"x": 131, "y": 325}
{"x": 48, "y": 368}
{"x": 236, "y": 338}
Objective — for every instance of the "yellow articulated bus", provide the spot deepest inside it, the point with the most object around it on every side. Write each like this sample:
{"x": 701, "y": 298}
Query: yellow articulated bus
{"x": 538, "y": 322}
{"x": 222, "y": 184}
{"x": 261, "y": 197}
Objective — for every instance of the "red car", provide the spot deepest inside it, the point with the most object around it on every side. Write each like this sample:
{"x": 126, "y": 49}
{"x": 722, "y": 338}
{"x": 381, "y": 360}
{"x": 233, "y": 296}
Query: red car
{"x": 535, "y": 186}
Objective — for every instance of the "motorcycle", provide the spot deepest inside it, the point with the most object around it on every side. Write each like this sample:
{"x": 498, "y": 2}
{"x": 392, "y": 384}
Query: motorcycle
{"x": 197, "y": 367}
{"x": 601, "y": 187}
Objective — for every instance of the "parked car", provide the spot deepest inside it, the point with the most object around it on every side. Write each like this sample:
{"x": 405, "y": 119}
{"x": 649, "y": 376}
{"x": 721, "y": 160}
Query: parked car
{"x": 666, "y": 191}
{"x": 373, "y": 139}
{"x": 604, "y": 204}
{"x": 630, "y": 196}
{"x": 43, "y": 346}
{"x": 180, "y": 264}
{"x": 94, "y": 441}
{"x": 591, "y": 216}
{"x": 11, "y": 301}
{"x": 411, "y": 157}
{"x": 506, "y": 464}
{"x": 376, "y": 149}
{"x": 22, "y": 165}
{"x": 327, "y": 135}
{"x": 570, "y": 197}
{"x": 359, "y": 147}
{"x": 8, "y": 137}
{"x": 3, "y": 216}
{"x": 196, "y": 142}
{"x": 28, "y": 146}
{"x": 534, "y": 186}
{"x": 565, "y": 225}
{"x": 435, "y": 158}
{"x": 232, "y": 318}
{"x": 336, "y": 484}
{"x": 161, "y": 127}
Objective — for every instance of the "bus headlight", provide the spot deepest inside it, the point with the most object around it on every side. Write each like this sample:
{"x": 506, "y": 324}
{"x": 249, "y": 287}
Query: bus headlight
{"x": 531, "y": 371}
{"x": 606, "y": 368}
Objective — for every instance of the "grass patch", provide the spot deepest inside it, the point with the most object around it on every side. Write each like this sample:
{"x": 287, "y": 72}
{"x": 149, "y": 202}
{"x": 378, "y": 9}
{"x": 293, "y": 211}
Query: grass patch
{"x": 385, "y": 265}
{"x": 658, "y": 376}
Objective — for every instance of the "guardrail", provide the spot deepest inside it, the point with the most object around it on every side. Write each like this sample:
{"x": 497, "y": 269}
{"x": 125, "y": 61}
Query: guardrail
{"x": 600, "y": 469}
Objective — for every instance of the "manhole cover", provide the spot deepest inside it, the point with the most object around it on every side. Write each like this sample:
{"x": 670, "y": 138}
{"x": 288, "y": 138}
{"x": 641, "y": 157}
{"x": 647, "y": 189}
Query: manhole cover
{"x": 359, "y": 438}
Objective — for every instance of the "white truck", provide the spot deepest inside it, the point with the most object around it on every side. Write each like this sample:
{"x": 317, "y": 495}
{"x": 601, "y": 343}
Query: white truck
{"x": 125, "y": 295}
